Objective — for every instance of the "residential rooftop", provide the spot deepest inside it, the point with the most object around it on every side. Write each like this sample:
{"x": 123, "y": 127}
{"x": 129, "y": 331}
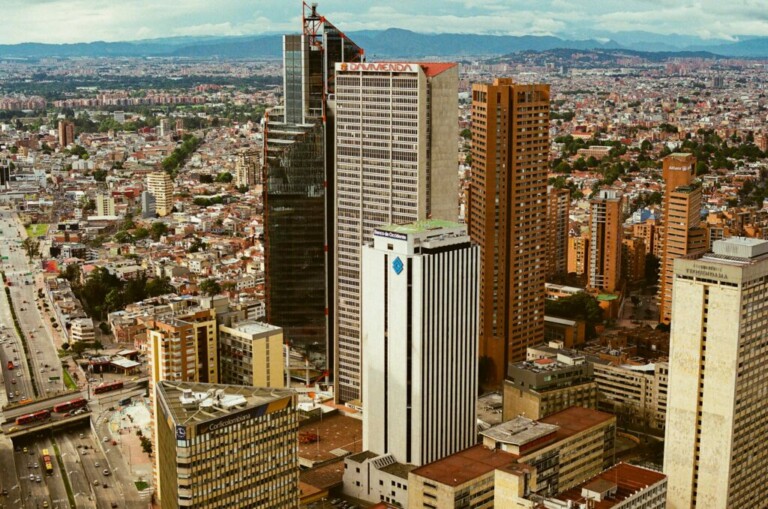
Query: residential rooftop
{"x": 520, "y": 431}
{"x": 613, "y": 486}
{"x": 465, "y": 465}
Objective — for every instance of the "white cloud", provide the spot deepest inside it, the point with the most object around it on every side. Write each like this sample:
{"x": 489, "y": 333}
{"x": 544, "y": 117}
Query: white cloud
{"x": 111, "y": 20}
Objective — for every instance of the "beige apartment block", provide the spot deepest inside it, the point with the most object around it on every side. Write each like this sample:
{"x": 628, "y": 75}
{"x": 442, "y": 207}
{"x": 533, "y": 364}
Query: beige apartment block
{"x": 160, "y": 185}
{"x": 252, "y": 353}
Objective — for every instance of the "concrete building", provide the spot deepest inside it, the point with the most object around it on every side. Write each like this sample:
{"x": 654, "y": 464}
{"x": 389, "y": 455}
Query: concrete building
{"x": 396, "y": 156}
{"x": 148, "y": 205}
{"x": 420, "y": 286}
{"x": 376, "y": 478}
{"x": 622, "y": 486}
{"x": 464, "y": 479}
{"x": 252, "y": 353}
{"x": 633, "y": 255}
{"x": 160, "y": 185}
{"x": 507, "y": 216}
{"x": 105, "y": 205}
{"x": 563, "y": 448}
{"x": 636, "y": 392}
{"x": 717, "y": 378}
{"x": 682, "y": 233}
{"x": 570, "y": 333}
{"x": 605, "y": 228}
{"x": 578, "y": 254}
{"x": 82, "y": 330}
{"x": 223, "y": 446}
{"x": 538, "y": 388}
{"x": 558, "y": 210}
{"x": 184, "y": 347}
{"x": 543, "y": 457}
{"x": 247, "y": 168}
{"x": 165, "y": 127}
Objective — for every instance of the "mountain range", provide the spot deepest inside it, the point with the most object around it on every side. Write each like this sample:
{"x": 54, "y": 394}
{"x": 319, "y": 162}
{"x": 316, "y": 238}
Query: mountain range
{"x": 393, "y": 43}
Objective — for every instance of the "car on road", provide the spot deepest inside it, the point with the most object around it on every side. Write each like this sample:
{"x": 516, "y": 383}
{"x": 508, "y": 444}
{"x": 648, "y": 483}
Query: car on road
{"x": 95, "y": 482}
{"x": 105, "y": 485}
{"x": 45, "y": 503}
{"x": 31, "y": 477}
{"x": 13, "y": 381}
{"x": 105, "y": 439}
{"x": 105, "y": 472}
{"x": 38, "y": 479}
{"x": 36, "y": 466}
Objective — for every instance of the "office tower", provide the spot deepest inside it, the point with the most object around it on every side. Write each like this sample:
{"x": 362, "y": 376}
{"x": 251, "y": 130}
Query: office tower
{"x": 508, "y": 217}
{"x": 605, "y": 228}
{"x": 682, "y": 233}
{"x": 420, "y": 291}
{"x": 396, "y": 163}
{"x": 160, "y": 185}
{"x": 558, "y": 210}
{"x": 252, "y": 353}
{"x": 226, "y": 446}
{"x": 148, "y": 205}
{"x": 105, "y": 205}
{"x": 299, "y": 184}
{"x": 66, "y": 133}
{"x": 247, "y": 168}
{"x": 716, "y": 413}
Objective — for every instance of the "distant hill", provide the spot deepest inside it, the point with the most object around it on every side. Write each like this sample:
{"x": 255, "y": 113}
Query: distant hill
{"x": 390, "y": 43}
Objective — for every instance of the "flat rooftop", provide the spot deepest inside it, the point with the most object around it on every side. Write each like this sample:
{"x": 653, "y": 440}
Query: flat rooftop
{"x": 628, "y": 479}
{"x": 519, "y": 431}
{"x": 337, "y": 435}
{"x": 575, "y": 420}
{"x": 465, "y": 465}
{"x": 171, "y": 393}
{"x": 253, "y": 327}
{"x": 421, "y": 226}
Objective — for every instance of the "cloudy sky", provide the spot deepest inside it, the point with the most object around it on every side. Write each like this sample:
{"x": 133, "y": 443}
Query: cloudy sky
{"x": 64, "y": 21}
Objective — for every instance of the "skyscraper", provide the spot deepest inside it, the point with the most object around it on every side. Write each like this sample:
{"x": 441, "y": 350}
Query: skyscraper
{"x": 682, "y": 233}
{"x": 226, "y": 446}
{"x": 160, "y": 185}
{"x": 246, "y": 168}
{"x": 717, "y": 419}
{"x": 396, "y": 163}
{"x": 299, "y": 183}
{"x": 66, "y": 133}
{"x": 558, "y": 210}
{"x": 605, "y": 222}
{"x": 420, "y": 290}
{"x": 508, "y": 217}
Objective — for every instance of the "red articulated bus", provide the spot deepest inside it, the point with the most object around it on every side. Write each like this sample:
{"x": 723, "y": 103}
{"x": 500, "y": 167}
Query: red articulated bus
{"x": 70, "y": 405}
{"x": 112, "y": 386}
{"x": 37, "y": 416}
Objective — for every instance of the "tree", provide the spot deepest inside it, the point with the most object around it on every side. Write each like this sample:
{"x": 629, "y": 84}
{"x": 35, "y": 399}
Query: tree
{"x": 210, "y": 287}
{"x": 205, "y": 179}
{"x": 224, "y": 177}
{"x": 31, "y": 246}
{"x": 466, "y": 134}
{"x": 157, "y": 230}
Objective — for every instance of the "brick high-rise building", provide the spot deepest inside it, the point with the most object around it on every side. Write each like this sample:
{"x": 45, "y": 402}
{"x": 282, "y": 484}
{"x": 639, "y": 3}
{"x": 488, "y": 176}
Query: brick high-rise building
{"x": 66, "y": 133}
{"x": 507, "y": 216}
{"x": 558, "y": 210}
{"x": 682, "y": 233}
{"x": 396, "y": 156}
{"x": 604, "y": 269}
{"x": 716, "y": 412}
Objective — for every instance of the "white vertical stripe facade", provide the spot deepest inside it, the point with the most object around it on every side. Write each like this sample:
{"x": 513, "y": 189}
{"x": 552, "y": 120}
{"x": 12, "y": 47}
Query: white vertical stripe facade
{"x": 420, "y": 382}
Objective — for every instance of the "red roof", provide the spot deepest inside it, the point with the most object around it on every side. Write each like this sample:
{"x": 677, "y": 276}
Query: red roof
{"x": 435, "y": 68}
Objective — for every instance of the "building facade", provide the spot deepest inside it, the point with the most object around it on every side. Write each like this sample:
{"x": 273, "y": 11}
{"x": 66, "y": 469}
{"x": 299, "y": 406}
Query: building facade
{"x": 558, "y": 210}
{"x": 247, "y": 168}
{"x": 717, "y": 378}
{"x": 682, "y": 233}
{"x": 299, "y": 182}
{"x": 105, "y": 205}
{"x": 252, "y": 353}
{"x": 160, "y": 185}
{"x": 507, "y": 216}
{"x": 420, "y": 285}
{"x": 605, "y": 228}
{"x": 222, "y": 446}
{"x": 396, "y": 163}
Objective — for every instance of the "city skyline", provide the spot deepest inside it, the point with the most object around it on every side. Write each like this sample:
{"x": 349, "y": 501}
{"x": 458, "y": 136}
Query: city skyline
{"x": 103, "y": 20}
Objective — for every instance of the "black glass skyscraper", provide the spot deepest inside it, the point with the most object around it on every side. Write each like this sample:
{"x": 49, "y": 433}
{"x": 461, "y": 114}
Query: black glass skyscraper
{"x": 299, "y": 184}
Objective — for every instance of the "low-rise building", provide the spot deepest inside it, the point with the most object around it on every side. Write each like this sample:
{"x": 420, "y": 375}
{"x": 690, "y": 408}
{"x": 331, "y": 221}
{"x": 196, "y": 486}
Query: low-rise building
{"x": 541, "y": 387}
{"x": 82, "y": 330}
{"x": 372, "y": 477}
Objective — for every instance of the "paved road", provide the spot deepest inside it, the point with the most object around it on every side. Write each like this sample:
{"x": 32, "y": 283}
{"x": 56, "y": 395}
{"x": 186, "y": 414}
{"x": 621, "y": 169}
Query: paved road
{"x": 8, "y": 479}
{"x": 20, "y": 272}
{"x": 70, "y": 446}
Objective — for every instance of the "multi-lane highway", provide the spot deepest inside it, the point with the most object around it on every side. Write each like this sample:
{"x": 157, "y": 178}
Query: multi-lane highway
{"x": 20, "y": 274}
